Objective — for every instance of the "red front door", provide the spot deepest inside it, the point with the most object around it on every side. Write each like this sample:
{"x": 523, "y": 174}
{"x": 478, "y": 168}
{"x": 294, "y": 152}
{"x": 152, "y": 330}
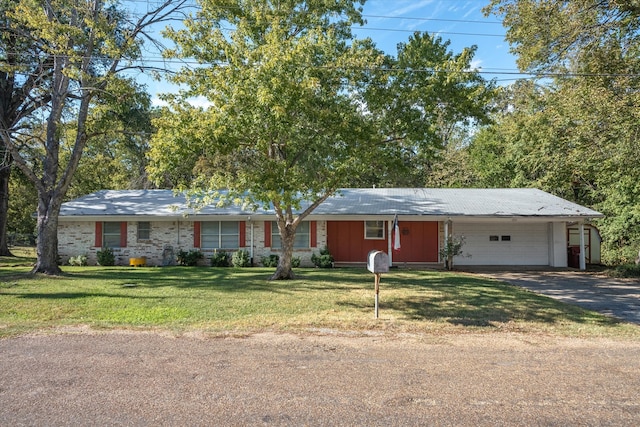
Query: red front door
{"x": 418, "y": 242}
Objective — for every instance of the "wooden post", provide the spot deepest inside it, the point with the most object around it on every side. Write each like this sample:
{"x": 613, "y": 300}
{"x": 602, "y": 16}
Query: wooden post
{"x": 377, "y": 286}
{"x": 377, "y": 263}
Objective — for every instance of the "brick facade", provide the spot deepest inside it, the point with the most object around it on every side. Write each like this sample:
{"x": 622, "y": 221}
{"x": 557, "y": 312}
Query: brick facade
{"x": 166, "y": 237}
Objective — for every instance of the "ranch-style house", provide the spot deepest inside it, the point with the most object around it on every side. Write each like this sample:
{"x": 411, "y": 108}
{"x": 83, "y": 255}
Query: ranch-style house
{"x": 501, "y": 227}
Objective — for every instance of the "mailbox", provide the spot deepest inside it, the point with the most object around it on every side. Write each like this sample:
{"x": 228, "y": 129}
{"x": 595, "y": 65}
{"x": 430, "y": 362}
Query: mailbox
{"x": 377, "y": 262}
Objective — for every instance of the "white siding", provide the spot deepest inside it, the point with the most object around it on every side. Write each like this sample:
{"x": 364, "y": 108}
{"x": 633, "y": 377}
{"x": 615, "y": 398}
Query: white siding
{"x": 529, "y": 244}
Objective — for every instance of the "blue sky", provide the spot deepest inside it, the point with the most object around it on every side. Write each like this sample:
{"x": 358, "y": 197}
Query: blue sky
{"x": 390, "y": 22}
{"x": 460, "y": 21}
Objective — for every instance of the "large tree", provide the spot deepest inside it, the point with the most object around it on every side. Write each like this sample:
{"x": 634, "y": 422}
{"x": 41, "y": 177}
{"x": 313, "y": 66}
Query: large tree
{"x": 116, "y": 158}
{"x": 299, "y": 108}
{"x": 77, "y": 52}
{"x": 575, "y": 132}
{"x": 286, "y": 124}
{"x": 431, "y": 101}
{"x": 21, "y": 71}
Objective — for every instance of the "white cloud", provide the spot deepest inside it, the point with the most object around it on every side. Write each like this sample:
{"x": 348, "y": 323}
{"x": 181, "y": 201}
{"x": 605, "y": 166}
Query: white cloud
{"x": 157, "y": 102}
{"x": 410, "y": 7}
{"x": 476, "y": 64}
{"x": 198, "y": 102}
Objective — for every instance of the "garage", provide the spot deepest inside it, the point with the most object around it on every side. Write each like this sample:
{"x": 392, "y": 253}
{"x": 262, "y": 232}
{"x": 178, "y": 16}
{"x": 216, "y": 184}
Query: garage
{"x": 503, "y": 243}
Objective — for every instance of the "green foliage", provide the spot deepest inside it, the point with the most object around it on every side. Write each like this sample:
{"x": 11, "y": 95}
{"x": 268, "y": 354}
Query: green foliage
{"x": 189, "y": 258}
{"x": 287, "y": 124}
{"x": 106, "y": 257}
{"x": 220, "y": 259}
{"x": 557, "y": 35}
{"x": 241, "y": 258}
{"x": 324, "y": 260}
{"x": 270, "y": 261}
{"x": 452, "y": 248}
{"x": 624, "y": 270}
{"x": 60, "y": 61}
{"x": 78, "y": 261}
{"x": 295, "y": 262}
{"x": 575, "y": 135}
{"x": 22, "y": 204}
{"x": 116, "y": 158}
{"x": 424, "y": 113}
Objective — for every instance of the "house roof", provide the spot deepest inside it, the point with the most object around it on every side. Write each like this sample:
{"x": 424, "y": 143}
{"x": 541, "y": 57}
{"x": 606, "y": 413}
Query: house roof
{"x": 433, "y": 202}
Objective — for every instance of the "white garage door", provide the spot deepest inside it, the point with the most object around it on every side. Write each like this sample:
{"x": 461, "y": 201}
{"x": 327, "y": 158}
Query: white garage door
{"x": 503, "y": 244}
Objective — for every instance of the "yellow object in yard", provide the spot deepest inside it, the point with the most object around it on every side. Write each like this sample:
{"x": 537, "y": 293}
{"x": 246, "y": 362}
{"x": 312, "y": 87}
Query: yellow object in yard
{"x": 138, "y": 262}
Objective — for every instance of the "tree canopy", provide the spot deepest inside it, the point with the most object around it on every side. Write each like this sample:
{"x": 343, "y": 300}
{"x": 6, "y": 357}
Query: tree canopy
{"x": 574, "y": 131}
{"x": 74, "y": 54}
{"x": 298, "y": 106}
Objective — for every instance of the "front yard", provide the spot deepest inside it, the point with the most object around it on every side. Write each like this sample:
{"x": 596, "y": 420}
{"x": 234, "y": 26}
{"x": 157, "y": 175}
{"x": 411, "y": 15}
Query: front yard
{"x": 219, "y": 301}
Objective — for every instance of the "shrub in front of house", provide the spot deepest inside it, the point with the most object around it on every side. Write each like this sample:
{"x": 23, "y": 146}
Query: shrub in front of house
{"x": 241, "y": 258}
{"x": 324, "y": 260}
{"x": 189, "y": 258}
{"x": 273, "y": 260}
{"x": 452, "y": 248}
{"x": 220, "y": 259}
{"x": 78, "y": 261}
{"x": 270, "y": 261}
{"x": 106, "y": 257}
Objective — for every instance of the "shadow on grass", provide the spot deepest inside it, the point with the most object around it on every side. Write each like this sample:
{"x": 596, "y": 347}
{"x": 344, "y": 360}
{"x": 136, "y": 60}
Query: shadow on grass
{"x": 77, "y": 295}
{"x": 469, "y": 301}
{"x": 415, "y": 295}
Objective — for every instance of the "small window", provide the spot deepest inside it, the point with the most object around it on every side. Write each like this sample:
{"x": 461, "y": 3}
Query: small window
{"x": 493, "y": 238}
{"x": 144, "y": 230}
{"x": 506, "y": 238}
{"x": 374, "y": 230}
{"x": 111, "y": 234}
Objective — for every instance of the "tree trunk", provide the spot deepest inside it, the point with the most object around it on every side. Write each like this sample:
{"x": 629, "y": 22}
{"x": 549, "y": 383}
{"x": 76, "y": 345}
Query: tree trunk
{"x": 47, "y": 229}
{"x": 5, "y": 173}
{"x": 285, "y": 269}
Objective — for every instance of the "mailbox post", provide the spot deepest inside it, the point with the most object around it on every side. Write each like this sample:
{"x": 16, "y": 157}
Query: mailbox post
{"x": 377, "y": 263}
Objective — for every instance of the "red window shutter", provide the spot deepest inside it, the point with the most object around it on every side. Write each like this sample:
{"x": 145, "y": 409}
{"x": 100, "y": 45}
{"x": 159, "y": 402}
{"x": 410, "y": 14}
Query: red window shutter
{"x": 243, "y": 235}
{"x": 313, "y": 231}
{"x": 267, "y": 234}
{"x": 196, "y": 234}
{"x": 98, "y": 234}
{"x": 123, "y": 234}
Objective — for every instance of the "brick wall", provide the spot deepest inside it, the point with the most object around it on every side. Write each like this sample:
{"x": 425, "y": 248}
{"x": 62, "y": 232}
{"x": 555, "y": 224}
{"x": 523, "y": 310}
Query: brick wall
{"x": 78, "y": 238}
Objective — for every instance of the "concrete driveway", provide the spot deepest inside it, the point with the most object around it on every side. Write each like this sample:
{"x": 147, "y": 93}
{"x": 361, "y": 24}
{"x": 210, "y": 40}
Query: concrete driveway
{"x": 614, "y": 297}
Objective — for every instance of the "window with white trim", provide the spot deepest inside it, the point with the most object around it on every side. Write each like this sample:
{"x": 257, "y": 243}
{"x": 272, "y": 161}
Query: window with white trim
{"x": 374, "y": 230}
{"x": 219, "y": 234}
{"x": 302, "y": 239}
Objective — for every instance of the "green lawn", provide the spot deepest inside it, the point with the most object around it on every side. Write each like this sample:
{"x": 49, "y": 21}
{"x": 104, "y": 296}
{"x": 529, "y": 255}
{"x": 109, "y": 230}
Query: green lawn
{"x": 23, "y": 257}
{"x": 238, "y": 301}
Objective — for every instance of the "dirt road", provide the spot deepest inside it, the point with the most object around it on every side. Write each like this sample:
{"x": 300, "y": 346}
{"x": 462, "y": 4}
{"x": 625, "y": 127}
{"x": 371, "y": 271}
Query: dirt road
{"x": 144, "y": 379}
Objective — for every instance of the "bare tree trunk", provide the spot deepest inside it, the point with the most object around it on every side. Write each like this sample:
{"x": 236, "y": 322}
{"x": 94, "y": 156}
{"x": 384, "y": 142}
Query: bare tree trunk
{"x": 285, "y": 269}
{"x": 47, "y": 229}
{"x": 5, "y": 173}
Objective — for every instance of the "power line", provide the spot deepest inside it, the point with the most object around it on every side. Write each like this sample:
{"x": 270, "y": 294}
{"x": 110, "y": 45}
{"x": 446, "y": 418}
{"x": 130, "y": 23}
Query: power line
{"x": 194, "y": 64}
{"x": 413, "y": 18}
{"x": 400, "y": 30}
